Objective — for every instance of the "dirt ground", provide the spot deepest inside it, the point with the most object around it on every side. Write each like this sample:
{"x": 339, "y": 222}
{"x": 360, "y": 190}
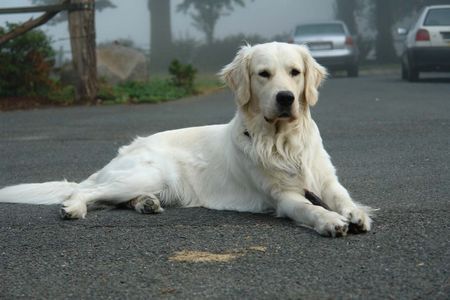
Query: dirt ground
{"x": 21, "y": 103}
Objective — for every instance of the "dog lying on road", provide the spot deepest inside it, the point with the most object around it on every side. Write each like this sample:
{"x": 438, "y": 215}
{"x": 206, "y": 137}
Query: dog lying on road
{"x": 270, "y": 157}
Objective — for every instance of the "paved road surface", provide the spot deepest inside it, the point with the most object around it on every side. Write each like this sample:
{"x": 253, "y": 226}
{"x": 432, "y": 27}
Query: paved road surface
{"x": 389, "y": 140}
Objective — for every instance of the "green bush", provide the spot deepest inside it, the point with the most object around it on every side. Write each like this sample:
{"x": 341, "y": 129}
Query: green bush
{"x": 182, "y": 75}
{"x": 62, "y": 94}
{"x": 26, "y": 63}
{"x": 156, "y": 90}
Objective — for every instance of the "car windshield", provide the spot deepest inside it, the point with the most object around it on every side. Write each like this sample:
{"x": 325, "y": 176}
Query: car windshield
{"x": 438, "y": 17}
{"x": 319, "y": 29}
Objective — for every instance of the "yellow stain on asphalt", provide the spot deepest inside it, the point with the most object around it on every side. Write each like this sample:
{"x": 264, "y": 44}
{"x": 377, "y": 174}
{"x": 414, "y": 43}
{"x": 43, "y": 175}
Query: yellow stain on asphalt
{"x": 204, "y": 256}
{"x": 258, "y": 248}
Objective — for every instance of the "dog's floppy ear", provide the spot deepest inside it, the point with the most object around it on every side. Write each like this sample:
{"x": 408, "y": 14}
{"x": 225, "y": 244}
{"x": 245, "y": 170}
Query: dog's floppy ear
{"x": 314, "y": 75}
{"x": 237, "y": 76}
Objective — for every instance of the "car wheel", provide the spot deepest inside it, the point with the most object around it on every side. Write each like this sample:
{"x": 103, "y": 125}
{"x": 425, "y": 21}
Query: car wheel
{"x": 412, "y": 75}
{"x": 408, "y": 72}
{"x": 404, "y": 71}
{"x": 352, "y": 71}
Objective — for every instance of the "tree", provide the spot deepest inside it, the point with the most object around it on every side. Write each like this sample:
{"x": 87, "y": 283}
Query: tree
{"x": 345, "y": 11}
{"x": 28, "y": 25}
{"x": 160, "y": 34}
{"x": 84, "y": 57}
{"x": 27, "y": 62}
{"x": 83, "y": 45}
{"x": 62, "y": 17}
{"x": 207, "y": 13}
{"x": 358, "y": 15}
{"x": 384, "y": 44}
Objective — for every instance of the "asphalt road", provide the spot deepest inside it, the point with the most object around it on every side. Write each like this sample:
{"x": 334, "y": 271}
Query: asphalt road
{"x": 390, "y": 141}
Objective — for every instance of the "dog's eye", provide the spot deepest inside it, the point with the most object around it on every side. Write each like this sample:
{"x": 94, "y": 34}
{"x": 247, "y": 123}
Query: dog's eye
{"x": 294, "y": 72}
{"x": 264, "y": 74}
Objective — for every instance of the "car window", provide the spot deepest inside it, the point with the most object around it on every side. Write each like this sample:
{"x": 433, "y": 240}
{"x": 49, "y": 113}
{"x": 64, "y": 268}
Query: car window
{"x": 438, "y": 17}
{"x": 319, "y": 29}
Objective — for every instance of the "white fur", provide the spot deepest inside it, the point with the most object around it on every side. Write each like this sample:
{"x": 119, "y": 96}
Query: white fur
{"x": 220, "y": 167}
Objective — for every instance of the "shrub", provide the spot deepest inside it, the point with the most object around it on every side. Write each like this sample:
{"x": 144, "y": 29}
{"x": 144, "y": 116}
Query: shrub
{"x": 26, "y": 63}
{"x": 156, "y": 90}
{"x": 183, "y": 75}
{"x": 62, "y": 94}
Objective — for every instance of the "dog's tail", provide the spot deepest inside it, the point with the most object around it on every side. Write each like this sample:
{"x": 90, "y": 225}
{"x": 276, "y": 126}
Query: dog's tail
{"x": 53, "y": 192}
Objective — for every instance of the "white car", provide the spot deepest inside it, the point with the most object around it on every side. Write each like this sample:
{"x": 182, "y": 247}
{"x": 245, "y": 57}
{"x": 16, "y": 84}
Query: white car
{"x": 427, "y": 43}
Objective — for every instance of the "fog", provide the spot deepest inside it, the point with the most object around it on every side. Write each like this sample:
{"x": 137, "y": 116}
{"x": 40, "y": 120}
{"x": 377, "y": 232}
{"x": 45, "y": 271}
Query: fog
{"x": 131, "y": 20}
{"x": 372, "y": 25}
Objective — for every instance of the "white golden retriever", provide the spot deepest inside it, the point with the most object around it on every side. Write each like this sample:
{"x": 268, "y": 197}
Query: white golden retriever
{"x": 270, "y": 156}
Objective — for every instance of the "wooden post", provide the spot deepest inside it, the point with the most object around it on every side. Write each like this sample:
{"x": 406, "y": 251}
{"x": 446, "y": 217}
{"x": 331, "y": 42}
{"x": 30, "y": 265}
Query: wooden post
{"x": 82, "y": 42}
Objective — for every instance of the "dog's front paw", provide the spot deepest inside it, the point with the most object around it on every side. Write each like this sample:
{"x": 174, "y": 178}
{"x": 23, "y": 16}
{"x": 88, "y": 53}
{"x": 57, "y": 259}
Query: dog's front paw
{"x": 358, "y": 218}
{"x": 332, "y": 224}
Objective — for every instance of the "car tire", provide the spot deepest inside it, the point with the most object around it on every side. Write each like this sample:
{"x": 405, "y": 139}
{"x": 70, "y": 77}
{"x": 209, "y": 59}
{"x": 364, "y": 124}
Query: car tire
{"x": 412, "y": 75}
{"x": 408, "y": 72}
{"x": 404, "y": 72}
{"x": 353, "y": 71}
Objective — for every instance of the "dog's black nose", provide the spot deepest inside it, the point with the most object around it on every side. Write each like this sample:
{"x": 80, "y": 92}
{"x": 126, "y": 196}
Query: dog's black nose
{"x": 285, "y": 98}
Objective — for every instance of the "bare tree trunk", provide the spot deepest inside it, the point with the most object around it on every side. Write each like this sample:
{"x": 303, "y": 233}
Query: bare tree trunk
{"x": 384, "y": 44}
{"x": 160, "y": 35}
{"x": 209, "y": 31}
{"x": 345, "y": 11}
{"x": 82, "y": 42}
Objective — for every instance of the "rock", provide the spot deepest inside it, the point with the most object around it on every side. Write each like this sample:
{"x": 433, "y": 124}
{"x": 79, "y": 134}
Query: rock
{"x": 117, "y": 63}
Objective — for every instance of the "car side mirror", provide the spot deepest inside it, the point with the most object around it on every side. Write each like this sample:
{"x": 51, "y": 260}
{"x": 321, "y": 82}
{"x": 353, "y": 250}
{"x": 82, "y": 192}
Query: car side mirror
{"x": 402, "y": 31}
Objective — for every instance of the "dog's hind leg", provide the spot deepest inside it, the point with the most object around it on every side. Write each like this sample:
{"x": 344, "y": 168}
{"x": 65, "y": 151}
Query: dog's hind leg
{"x": 145, "y": 204}
{"x": 136, "y": 186}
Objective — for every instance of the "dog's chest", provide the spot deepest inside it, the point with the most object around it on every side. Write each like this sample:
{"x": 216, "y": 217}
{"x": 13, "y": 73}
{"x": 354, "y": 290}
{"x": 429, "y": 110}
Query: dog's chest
{"x": 294, "y": 174}
{"x": 291, "y": 179}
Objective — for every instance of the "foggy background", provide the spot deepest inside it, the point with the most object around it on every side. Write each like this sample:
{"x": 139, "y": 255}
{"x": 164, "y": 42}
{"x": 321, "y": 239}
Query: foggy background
{"x": 129, "y": 24}
{"x": 131, "y": 20}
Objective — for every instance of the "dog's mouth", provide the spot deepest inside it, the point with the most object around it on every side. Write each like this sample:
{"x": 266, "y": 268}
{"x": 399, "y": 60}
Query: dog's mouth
{"x": 283, "y": 116}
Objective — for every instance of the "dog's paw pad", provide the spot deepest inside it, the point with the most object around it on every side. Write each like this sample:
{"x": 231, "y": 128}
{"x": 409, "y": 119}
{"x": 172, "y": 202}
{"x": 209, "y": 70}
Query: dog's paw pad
{"x": 359, "y": 220}
{"x": 340, "y": 231}
{"x": 358, "y": 227}
{"x": 148, "y": 205}
{"x": 332, "y": 225}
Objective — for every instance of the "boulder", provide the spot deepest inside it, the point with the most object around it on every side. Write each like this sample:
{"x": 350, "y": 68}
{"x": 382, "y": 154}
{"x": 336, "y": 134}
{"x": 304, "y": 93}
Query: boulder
{"x": 117, "y": 63}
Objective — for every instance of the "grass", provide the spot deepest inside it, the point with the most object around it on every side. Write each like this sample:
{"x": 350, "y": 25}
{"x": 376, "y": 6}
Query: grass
{"x": 207, "y": 83}
{"x": 159, "y": 89}
{"x": 153, "y": 91}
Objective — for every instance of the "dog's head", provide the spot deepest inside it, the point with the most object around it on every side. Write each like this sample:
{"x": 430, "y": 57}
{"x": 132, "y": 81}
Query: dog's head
{"x": 273, "y": 80}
